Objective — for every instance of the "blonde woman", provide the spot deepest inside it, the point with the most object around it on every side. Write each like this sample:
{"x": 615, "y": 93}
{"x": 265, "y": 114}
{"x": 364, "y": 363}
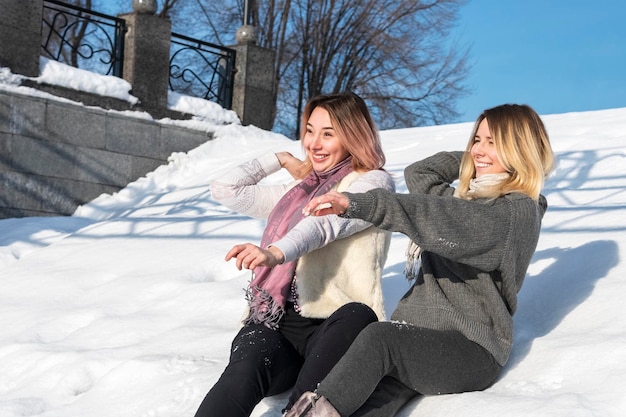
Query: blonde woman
{"x": 453, "y": 330}
{"x": 316, "y": 281}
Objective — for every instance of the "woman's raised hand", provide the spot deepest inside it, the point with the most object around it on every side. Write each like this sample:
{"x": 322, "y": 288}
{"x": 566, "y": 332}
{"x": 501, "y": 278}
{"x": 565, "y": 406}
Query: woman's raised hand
{"x": 297, "y": 168}
{"x": 329, "y": 203}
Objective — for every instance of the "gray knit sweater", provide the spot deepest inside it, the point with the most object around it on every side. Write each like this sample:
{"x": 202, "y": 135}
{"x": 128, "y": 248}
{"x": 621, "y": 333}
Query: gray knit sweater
{"x": 475, "y": 253}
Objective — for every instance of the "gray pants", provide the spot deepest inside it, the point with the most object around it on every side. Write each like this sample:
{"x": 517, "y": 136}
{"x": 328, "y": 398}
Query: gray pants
{"x": 390, "y": 363}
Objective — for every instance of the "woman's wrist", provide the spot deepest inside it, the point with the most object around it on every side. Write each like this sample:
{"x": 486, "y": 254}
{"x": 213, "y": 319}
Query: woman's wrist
{"x": 278, "y": 255}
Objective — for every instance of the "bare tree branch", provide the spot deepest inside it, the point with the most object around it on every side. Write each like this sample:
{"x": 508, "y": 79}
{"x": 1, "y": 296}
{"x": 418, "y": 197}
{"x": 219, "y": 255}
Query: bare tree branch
{"x": 395, "y": 54}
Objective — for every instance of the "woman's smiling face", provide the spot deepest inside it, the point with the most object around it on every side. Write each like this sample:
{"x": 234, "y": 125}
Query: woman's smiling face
{"x": 322, "y": 144}
{"x": 484, "y": 152}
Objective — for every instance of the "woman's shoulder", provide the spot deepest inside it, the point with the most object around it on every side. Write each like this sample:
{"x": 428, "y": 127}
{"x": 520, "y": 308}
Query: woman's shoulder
{"x": 522, "y": 198}
{"x": 523, "y": 203}
{"x": 362, "y": 181}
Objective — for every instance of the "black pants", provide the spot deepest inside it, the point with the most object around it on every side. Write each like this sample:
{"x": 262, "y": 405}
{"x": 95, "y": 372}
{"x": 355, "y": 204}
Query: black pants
{"x": 389, "y": 363}
{"x": 266, "y": 362}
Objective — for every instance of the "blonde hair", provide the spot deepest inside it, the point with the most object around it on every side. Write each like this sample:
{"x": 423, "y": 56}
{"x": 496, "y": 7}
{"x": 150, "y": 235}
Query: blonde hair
{"x": 354, "y": 126}
{"x": 522, "y": 146}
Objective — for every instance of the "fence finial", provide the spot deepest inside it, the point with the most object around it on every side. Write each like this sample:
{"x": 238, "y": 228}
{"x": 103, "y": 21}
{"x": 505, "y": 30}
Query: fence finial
{"x": 245, "y": 35}
{"x": 145, "y": 6}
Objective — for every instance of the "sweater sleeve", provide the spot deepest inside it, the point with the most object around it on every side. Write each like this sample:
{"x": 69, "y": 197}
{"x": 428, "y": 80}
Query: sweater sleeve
{"x": 314, "y": 232}
{"x": 239, "y": 188}
{"x": 470, "y": 232}
{"x": 434, "y": 175}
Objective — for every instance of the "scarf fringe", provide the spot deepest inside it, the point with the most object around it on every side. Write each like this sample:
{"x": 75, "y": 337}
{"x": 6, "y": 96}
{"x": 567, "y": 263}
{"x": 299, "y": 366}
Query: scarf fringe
{"x": 263, "y": 309}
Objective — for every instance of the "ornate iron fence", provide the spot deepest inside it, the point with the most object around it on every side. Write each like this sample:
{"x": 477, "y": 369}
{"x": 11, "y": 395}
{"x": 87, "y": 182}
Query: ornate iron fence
{"x": 202, "y": 69}
{"x": 83, "y": 38}
{"x": 94, "y": 41}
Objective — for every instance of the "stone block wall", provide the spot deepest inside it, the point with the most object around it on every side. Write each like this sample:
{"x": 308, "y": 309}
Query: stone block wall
{"x": 55, "y": 156}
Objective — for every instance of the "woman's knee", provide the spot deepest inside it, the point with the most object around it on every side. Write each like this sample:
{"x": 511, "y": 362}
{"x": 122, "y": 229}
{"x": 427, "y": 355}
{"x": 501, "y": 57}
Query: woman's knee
{"x": 375, "y": 337}
{"x": 264, "y": 357}
{"x": 379, "y": 330}
{"x": 256, "y": 343}
{"x": 359, "y": 314}
{"x": 342, "y": 327}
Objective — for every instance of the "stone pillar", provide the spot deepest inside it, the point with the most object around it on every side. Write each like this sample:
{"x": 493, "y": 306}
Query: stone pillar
{"x": 147, "y": 57}
{"x": 20, "y": 36}
{"x": 253, "y": 87}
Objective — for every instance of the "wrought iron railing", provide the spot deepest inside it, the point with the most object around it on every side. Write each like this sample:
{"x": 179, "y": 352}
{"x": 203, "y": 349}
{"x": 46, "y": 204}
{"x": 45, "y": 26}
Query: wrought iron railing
{"x": 83, "y": 38}
{"x": 202, "y": 69}
{"x": 94, "y": 41}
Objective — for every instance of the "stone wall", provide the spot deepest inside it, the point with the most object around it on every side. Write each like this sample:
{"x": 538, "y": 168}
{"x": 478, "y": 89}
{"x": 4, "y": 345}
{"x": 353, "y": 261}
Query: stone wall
{"x": 55, "y": 155}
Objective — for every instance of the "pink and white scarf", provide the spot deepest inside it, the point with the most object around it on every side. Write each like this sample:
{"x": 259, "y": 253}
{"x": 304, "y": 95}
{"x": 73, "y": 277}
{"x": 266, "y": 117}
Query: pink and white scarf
{"x": 269, "y": 288}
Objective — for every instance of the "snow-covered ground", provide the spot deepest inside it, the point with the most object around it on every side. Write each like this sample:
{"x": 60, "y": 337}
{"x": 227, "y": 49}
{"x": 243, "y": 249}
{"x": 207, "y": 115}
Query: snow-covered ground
{"x": 127, "y": 308}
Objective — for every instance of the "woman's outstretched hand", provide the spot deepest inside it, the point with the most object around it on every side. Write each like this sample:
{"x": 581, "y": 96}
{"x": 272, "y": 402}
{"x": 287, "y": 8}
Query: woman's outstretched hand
{"x": 329, "y": 203}
{"x": 250, "y": 256}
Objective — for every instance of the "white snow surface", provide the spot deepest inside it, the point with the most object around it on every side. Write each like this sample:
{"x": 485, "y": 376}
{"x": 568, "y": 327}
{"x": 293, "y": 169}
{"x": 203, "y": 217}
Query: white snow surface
{"x": 127, "y": 308}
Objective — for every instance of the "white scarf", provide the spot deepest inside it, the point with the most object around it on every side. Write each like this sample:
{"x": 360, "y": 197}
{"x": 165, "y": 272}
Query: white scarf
{"x": 478, "y": 188}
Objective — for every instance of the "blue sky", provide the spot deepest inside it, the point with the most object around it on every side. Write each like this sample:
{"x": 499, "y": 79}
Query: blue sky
{"x": 556, "y": 56}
